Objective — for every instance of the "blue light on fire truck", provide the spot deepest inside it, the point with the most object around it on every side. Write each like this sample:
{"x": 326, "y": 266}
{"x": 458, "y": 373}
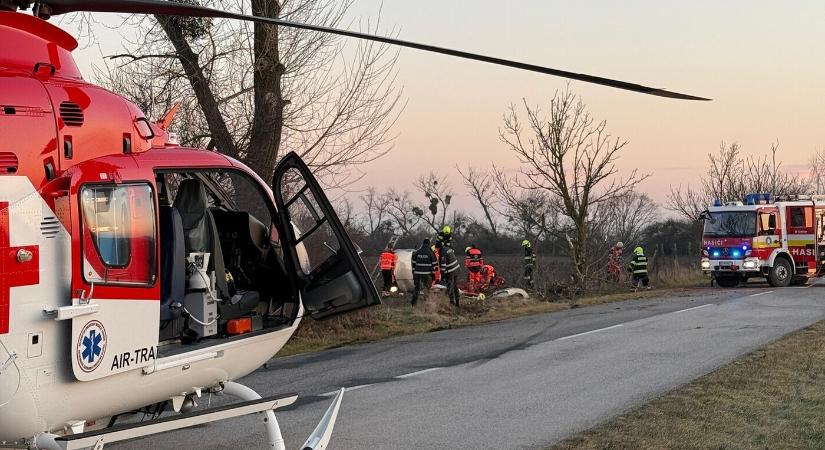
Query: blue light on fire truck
{"x": 757, "y": 198}
{"x": 736, "y": 253}
{"x": 717, "y": 253}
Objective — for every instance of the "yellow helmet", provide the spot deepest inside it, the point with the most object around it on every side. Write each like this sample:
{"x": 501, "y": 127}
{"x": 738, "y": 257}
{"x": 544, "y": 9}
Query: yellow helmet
{"x": 639, "y": 251}
{"x": 446, "y": 229}
{"x": 525, "y": 243}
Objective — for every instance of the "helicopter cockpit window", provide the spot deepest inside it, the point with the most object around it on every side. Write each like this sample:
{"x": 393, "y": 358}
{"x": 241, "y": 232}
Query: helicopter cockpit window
{"x": 118, "y": 234}
{"x": 239, "y": 192}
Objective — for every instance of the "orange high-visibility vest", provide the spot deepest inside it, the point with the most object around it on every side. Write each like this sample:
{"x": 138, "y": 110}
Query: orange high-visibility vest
{"x": 388, "y": 260}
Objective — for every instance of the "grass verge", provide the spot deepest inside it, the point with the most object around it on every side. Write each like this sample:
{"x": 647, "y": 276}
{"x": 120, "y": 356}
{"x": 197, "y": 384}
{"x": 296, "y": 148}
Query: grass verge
{"x": 770, "y": 399}
{"x": 395, "y": 317}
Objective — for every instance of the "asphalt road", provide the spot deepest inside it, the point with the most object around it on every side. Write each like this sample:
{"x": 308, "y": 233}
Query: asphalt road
{"x": 521, "y": 383}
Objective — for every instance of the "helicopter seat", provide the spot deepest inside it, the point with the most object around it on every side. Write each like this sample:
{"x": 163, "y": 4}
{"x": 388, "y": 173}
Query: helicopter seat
{"x": 173, "y": 263}
{"x": 242, "y": 238}
{"x": 199, "y": 230}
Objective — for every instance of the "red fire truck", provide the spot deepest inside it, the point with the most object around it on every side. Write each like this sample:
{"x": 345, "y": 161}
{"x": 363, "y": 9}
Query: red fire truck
{"x": 782, "y": 240}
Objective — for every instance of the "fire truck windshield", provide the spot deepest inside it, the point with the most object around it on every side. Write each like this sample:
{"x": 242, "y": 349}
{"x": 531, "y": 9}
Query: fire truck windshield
{"x": 738, "y": 223}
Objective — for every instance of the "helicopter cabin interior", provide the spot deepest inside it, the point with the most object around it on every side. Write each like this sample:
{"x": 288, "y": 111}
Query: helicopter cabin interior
{"x": 222, "y": 271}
{"x": 209, "y": 242}
{"x": 220, "y": 254}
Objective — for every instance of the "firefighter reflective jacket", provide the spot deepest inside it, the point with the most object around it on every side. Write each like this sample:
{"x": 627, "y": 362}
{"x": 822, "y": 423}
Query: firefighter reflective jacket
{"x": 638, "y": 265}
{"x": 445, "y": 236}
{"x": 529, "y": 256}
{"x": 473, "y": 261}
{"x": 424, "y": 262}
{"x": 449, "y": 262}
{"x": 388, "y": 260}
{"x": 437, "y": 271}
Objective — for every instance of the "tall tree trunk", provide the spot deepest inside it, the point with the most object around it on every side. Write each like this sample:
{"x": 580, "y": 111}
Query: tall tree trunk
{"x": 489, "y": 218}
{"x": 579, "y": 250}
{"x": 221, "y": 137}
{"x": 267, "y": 123}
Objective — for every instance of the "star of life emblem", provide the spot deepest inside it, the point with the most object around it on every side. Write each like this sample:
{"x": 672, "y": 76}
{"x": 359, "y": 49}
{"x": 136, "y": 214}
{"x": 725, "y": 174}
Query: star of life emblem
{"x": 91, "y": 346}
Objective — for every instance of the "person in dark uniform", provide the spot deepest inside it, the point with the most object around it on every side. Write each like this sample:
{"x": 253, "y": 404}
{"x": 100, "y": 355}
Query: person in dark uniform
{"x": 449, "y": 271}
{"x": 529, "y": 263}
{"x": 424, "y": 264}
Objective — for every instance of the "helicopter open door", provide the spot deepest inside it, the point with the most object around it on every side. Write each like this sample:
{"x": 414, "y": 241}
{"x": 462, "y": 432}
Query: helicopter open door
{"x": 317, "y": 248}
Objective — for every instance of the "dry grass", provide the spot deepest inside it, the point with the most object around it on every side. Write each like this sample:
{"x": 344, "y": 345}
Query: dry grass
{"x": 395, "y": 317}
{"x": 773, "y": 398}
{"x": 675, "y": 271}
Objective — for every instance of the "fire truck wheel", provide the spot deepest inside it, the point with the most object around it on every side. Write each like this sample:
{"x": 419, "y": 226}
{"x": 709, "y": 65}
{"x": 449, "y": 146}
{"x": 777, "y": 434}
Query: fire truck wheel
{"x": 727, "y": 282}
{"x": 781, "y": 274}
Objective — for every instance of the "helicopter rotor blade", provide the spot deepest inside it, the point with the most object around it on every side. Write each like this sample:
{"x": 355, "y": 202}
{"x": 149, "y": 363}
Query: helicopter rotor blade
{"x": 171, "y": 8}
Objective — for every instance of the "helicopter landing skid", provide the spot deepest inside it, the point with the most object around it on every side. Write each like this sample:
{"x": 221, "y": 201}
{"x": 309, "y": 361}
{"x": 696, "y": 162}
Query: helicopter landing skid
{"x": 251, "y": 403}
{"x": 320, "y": 437}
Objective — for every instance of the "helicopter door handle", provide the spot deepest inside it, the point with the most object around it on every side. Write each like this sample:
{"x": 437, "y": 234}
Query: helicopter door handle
{"x": 70, "y": 312}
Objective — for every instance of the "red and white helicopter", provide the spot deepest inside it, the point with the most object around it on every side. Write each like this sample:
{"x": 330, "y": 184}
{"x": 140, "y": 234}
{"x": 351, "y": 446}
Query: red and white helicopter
{"x": 137, "y": 274}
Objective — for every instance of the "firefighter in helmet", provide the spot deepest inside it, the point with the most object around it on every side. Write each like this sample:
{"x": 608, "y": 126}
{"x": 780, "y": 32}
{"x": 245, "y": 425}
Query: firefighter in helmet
{"x": 529, "y": 263}
{"x": 445, "y": 236}
{"x": 387, "y": 262}
{"x": 638, "y": 267}
{"x": 473, "y": 262}
{"x": 449, "y": 271}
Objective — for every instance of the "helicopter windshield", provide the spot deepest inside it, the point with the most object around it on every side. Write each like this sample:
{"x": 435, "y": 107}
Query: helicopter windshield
{"x": 730, "y": 223}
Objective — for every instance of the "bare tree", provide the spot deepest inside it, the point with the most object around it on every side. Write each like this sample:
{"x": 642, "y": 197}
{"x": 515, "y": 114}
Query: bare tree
{"x": 481, "y": 186}
{"x": 375, "y": 209}
{"x": 253, "y": 90}
{"x": 400, "y": 208}
{"x": 529, "y": 213}
{"x": 626, "y": 217}
{"x": 731, "y": 176}
{"x": 571, "y": 157}
{"x": 345, "y": 212}
{"x": 687, "y": 202}
{"x": 439, "y": 194}
{"x": 816, "y": 168}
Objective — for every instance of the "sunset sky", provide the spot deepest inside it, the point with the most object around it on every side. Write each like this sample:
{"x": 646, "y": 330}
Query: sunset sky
{"x": 763, "y": 63}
